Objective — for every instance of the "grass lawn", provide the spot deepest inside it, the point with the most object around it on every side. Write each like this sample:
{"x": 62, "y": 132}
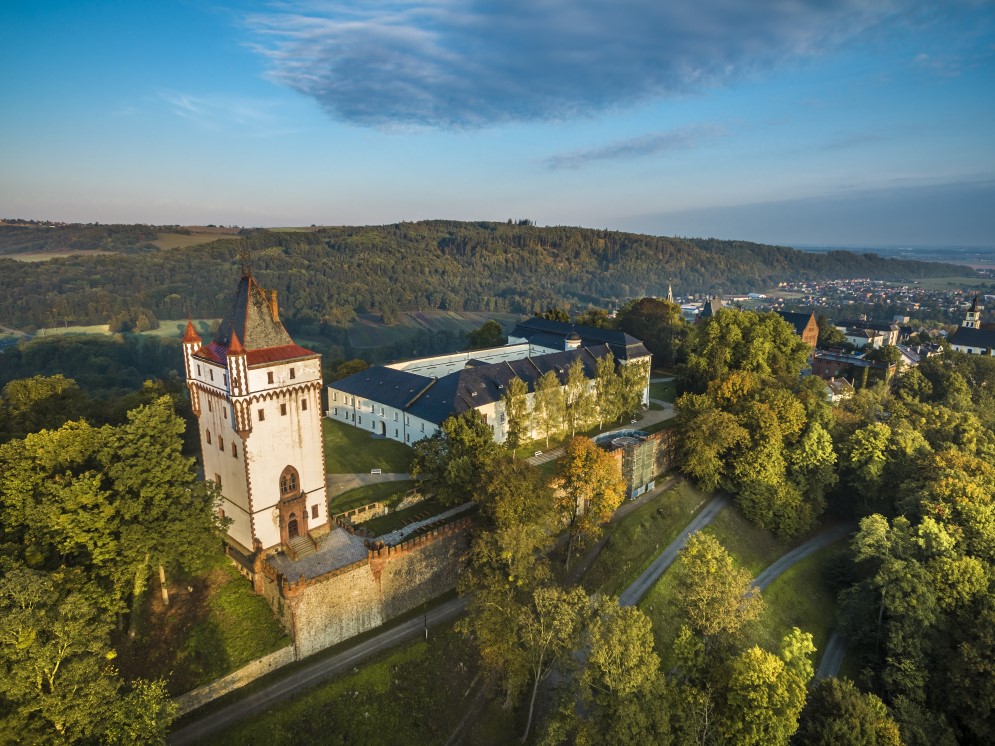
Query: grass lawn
{"x": 751, "y": 547}
{"x": 349, "y": 450}
{"x": 413, "y": 694}
{"x": 388, "y": 492}
{"x": 182, "y": 240}
{"x": 634, "y": 541}
{"x": 202, "y": 634}
{"x": 393, "y": 521}
{"x": 662, "y": 425}
{"x": 666, "y": 391}
{"x": 803, "y": 598}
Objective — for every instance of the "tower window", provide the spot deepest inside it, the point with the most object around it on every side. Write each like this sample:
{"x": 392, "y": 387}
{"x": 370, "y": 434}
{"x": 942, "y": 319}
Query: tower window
{"x": 198, "y": 371}
{"x": 314, "y": 511}
{"x": 217, "y": 480}
{"x": 211, "y": 372}
{"x": 292, "y": 374}
{"x": 208, "y": 437}
{"x": 262, "y": 415}
{"x": 221, "y": 444}
{"x": 288, "y": 481}
{"x": 269, "y": 377}
{"x": 234, "y": 450}
{"x": 283, "y": 409}
{"x": 225, "y": 411}
{"x": 210, "y": 406}
{"x": 303, "y": 405}
{"x": 225, "y": 378}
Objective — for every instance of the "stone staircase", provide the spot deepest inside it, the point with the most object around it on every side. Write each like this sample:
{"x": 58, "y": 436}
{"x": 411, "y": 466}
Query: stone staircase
{"x": 301, "y": 546}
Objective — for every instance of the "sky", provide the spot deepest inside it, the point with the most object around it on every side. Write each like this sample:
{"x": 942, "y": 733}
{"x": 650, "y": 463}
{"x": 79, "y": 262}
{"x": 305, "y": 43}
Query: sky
{"x": 798, "y": 122}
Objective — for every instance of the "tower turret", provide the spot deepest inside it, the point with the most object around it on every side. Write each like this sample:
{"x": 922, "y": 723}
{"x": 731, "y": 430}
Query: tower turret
{"x": 973, "y": 318}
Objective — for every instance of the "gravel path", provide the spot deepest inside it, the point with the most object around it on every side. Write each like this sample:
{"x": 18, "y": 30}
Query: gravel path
{"x": 820, "y": 541}
{"x": 832, "y": 657}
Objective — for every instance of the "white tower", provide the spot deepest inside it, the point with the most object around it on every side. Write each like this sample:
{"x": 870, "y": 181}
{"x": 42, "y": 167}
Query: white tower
{"x": 257, "y": 397}
{"x": 973, "y": 318}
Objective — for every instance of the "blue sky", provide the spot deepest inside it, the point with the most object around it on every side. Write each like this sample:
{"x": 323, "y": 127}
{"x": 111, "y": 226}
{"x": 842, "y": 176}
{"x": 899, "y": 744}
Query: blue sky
{"x": 839, "y": 122}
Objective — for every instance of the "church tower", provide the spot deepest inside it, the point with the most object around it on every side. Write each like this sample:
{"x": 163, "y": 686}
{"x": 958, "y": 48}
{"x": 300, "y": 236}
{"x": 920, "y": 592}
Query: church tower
{"x": 257, "y": 398}
{"x": 973, "y": 318}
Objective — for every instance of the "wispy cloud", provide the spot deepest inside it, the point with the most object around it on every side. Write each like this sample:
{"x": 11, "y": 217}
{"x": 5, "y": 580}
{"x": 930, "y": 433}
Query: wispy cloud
{"x": 471, "y": 64}
{"x": 254, "y": 117}
{"x": 631, "y": 148}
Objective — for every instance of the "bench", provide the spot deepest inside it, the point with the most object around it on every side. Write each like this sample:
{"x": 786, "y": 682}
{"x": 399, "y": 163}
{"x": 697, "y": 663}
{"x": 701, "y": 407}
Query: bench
{"x": 538, "y": 453}
{"x": 380, "y": 471}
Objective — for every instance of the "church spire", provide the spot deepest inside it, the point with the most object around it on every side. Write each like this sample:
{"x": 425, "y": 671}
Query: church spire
{"x": 670, "y": 293}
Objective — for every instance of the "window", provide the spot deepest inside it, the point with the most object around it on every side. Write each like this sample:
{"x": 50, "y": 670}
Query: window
{"x": 225, "y": 375}
{"x": 314, "y": 511}
{"x": 395, "y": 416}
{"x": 293, "y": 374}
{"x": 208, "y": 437}
{"x": 198, "y": 371}
{"x": 303, "y": 405}
{"x": 395, "y": 432}
{"x": 221, "y": 444}
{"x": 262, "y": 415}
{"x": 225, "y": 411}
{"x": 423, "y": 427}
{"x": 217, "y": 480}
{"x": 210, "y": 407}
{"x": 211, "y": 371}
{"x": 335, "y": 396}
{"x": 283, "y": 409}
{"x": 269, "y": 377}
{"x": 359, "y": 421}
{"x": 234, "y": 451}
{"x": 335, "y": 411}
{"x": 221, "y": 513}
{"x": 288, "y": 481}
{"x": 381, "y": 411}
{"x": 407, "y": 437}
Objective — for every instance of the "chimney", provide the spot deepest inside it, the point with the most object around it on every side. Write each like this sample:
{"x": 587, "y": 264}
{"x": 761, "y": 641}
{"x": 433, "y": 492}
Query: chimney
{"x": 274, "y": 309}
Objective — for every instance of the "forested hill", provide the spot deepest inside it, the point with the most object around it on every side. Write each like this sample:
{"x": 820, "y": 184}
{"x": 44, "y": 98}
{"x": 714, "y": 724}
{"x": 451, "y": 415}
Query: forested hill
{"x": 325, "y": 276}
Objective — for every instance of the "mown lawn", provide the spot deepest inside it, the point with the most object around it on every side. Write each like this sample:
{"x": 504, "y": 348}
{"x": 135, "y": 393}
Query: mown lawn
{"x": 393, "y": 521}
{"x": 388, "y": 492}
{"x": 413, "y": 694}
{"x": 636, "y": 540}
{"x": 752, "y": 547}
{"x": 667, "y": 391}
{"x": 351, "y": 450}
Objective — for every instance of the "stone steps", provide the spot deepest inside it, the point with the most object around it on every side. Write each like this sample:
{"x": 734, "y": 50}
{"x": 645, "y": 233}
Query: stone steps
{"x": 301, "y": 546}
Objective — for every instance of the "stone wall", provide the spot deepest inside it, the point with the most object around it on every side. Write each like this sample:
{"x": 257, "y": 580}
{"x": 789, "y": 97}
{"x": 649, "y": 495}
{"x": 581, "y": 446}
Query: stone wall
{"x": 246, "y": 674}
{"x": 326, "y": 610}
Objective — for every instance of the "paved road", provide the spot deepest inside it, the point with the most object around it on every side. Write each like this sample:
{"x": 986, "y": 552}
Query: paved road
{"x": 339, "y": 483}
{"x": 631, "y": 595}
{"x": 830, "y": 536}
{"x": 310, "y": 675}
{"x": 832, "y": 657}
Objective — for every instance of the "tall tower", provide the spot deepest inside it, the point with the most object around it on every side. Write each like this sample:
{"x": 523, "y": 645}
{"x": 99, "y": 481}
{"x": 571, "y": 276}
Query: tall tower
{"x": 257, "y": 398}
{"x": 973, "y": 318}
{"x": 670, "y": 293}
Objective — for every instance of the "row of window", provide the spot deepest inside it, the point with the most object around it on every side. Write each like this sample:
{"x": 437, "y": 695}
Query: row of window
{"x": 221, "y": 444}
{"x": 269, "y": 375}
{"x": 283, "y": 410}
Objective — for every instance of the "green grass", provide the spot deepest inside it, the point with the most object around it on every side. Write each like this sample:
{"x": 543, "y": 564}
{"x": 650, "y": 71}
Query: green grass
{"x": 393, "y": 521}
{"x": 350, "y": 450}
{"x": 413, "y": 694}
{"x": 368, "y": 331}
{"x": 752, "y": 547}
{"x": 388, "y": 492}
{"x": 634, "y": 541}
{"x": 182, "y": 240}
{"x": 946, "y": 283}
{"x": 666, "y": 391}
{"x": 662, "y": 425}
{"x": 803, "y": 598}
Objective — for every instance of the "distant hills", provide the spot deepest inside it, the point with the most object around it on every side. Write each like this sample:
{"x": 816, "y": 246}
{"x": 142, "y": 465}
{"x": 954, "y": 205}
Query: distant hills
{"x": 325, "y": 276}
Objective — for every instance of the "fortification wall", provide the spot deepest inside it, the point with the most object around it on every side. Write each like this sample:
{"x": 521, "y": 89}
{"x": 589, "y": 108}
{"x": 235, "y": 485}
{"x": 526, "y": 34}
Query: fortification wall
{"x": 324, "y": 611}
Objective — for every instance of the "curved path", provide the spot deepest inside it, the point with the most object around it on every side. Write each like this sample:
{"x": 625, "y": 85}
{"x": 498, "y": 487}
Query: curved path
{"x": 820, "y": 541}
{"x": 631, "y": 595}
{"x": 832, "y": 657}
{"x": 310, "y": 675}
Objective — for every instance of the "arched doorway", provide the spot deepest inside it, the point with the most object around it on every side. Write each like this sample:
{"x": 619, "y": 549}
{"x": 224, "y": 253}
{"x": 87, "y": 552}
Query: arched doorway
{"x": 383, "y": 429}
{"x": 292, "y": 506}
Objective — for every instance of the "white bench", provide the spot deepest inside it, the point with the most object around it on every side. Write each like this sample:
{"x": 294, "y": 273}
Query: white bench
{"x": 538, "y": 453}
{"x": 376, "y": 471}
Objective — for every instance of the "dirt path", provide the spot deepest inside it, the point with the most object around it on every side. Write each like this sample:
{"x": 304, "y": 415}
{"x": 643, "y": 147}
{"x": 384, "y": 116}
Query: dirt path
{"x": 820, "y": 541}
{"x": 832, "y": 657}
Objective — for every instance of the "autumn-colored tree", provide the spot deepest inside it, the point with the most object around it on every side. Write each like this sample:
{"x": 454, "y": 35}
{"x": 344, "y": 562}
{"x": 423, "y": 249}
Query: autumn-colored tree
{"x": 516, "y": 410}
{"x": 589, "y": 488}
{"x": 839, "y": 714}
{"x": 548, "y": 408}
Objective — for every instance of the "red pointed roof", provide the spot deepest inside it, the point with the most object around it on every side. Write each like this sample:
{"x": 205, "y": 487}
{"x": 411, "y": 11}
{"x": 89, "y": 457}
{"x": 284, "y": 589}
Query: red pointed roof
{"x": 190, "y": 336}
{"x": 235, "y": 348}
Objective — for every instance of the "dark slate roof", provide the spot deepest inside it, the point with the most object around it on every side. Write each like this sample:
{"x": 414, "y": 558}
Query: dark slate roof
{"x": 711, "y": 308}
{"x": 797, "y": 320}
{"x": 250, "y": 318}
{"x": 393, "y": 388}
{"x": 435, "y": 399}
{"x": 544, "y": 332}
{"x": 966, "y": 337}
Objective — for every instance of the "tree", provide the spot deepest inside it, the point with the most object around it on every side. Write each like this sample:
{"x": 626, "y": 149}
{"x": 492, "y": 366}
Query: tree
{"x": 453, "y": 462}
{"x": 516, "y": 409}
{"x": 576, "y": 399}
{"x": 633, "y": 381}
{"x": 766, "y": 693}
{"x": 347, "y": 368}
{"x": 589, "y": 488}
{"x": 555, "y": 314}
{"x": 608, "y": 389}
{"x": 829, "y": 335}
{"x": 548, "y": 408}
{"x": 714, "y": 595}
{"x": 659, "y": 324}
{"x": 839, "y": 714}
{"x": 490, "y": 334}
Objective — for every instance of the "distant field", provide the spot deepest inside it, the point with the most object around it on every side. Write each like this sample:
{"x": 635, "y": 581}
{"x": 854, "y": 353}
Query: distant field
{"x": 166, "y": 329}
{"x": 44, "y": 256}
{"x": 181, "y": 241}
{"x": 946, "y": 283}
{"x": 369, "y": 331}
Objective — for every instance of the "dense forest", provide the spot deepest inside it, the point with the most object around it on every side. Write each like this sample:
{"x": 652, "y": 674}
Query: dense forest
{"x": 325, "y": 277}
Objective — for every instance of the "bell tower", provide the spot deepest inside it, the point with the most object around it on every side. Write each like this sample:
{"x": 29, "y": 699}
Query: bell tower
{"x": 973, "y": 318}
{"x": 256, "y": 395}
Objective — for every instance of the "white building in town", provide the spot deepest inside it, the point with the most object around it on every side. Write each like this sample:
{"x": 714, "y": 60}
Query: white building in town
{"x": 408, "y": 401}
{"x": 970, "y": 337}
{"x": 257, "y": 397}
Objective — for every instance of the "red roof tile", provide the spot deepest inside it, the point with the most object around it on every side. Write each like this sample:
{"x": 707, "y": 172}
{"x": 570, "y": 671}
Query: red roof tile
{"x": 190, "y": 335}
{"x": 277, "y": 354}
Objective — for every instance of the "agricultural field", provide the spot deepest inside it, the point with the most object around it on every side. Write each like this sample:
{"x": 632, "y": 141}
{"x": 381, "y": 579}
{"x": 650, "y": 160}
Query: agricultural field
{"x": 172, "y": 328}
{"x": 369, "y": 331}
{"x": 181, "y": 240}
{"x": 44, "y": 256}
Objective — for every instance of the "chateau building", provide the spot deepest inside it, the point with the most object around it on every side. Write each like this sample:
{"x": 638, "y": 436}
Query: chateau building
{"x": 257, "y": 398}
{"x": 408, "y": 401}
{"x": 970, "y": 337}
{"x": 805, "y": 326}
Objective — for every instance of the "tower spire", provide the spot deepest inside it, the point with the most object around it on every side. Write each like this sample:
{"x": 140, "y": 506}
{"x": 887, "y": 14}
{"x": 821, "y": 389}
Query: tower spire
{"x": 670, "y": 293}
